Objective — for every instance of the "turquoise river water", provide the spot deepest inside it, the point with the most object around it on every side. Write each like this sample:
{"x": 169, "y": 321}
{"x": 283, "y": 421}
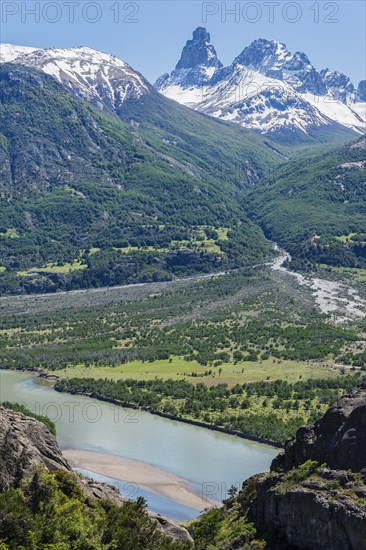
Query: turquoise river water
{"x": 209, "y": 461}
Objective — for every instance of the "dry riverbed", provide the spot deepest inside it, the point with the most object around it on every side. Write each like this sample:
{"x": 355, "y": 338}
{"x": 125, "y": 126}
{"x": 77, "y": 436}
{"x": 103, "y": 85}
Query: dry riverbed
{"x": 342, "y": 302}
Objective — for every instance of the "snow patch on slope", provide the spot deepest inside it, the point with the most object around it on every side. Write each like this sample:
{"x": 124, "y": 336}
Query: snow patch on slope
{"x": 10, "y": 52}
{"x": 336, "y": 110}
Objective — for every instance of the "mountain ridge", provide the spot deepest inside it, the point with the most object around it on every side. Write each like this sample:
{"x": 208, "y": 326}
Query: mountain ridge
{"x": 100, "y": 78}
{"x": 266, "y": 88}
{"x": 314, "y": 207}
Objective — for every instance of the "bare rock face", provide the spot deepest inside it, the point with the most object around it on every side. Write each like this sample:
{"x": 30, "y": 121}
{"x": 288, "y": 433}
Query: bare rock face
{"x": 337, "y": 439}
{"x": 312, "y": 506}
{"x": 26, "y": 443}
{"x": 312, "y": 514}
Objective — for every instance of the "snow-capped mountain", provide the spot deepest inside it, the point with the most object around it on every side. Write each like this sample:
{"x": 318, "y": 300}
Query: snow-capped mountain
{"x": 266, "y": 88}
{"x": 98, "y": 77}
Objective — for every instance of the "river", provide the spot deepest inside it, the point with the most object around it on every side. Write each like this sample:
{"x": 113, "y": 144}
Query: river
{"x": 209, "y": 461}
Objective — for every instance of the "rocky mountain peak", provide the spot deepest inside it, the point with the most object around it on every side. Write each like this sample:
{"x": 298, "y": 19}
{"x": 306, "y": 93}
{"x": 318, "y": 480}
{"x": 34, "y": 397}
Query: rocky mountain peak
{"x": 263, "y": 55}
{"x": 196, "y": 66}
{"x": 338, "y": 84}
{"x": 299, "y": 61}
{"x": 198, "y": 51}
{"x": 200, "y": 34}
{"x": 272, "y": 59}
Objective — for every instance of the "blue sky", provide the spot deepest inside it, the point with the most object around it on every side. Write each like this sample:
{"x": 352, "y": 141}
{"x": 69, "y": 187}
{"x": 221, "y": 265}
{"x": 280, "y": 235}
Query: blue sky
{"x": 150, "y": 34}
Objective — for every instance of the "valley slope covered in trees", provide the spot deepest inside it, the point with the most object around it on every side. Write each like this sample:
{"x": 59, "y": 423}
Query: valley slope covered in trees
{"x": 88, "y": 200}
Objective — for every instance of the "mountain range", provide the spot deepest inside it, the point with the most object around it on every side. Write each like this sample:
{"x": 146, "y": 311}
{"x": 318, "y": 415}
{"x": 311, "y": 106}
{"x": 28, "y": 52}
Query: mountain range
{"x": 266, "y": 88}
{"x": 106, "y": 181}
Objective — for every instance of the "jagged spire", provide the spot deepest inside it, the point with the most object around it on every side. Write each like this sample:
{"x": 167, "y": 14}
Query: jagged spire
{"x": 198, "y": 51}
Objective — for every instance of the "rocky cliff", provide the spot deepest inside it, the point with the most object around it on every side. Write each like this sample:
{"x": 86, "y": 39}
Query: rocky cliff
{"x": 26, "y": 443}
{"x": 315, "y": 495}
{"x": 337, "y": 439}
{"x": 324, "y": 511}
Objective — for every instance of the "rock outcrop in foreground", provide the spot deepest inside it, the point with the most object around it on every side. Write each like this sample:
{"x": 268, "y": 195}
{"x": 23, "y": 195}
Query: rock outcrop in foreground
{"x": 26, "y": 443}
{"x": 315, "y": 494}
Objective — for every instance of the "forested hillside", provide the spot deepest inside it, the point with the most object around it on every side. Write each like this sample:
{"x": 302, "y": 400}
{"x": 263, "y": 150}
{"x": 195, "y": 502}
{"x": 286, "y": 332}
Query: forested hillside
{"x": 316, "y": 208}
{"x": 88, "y": 200}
